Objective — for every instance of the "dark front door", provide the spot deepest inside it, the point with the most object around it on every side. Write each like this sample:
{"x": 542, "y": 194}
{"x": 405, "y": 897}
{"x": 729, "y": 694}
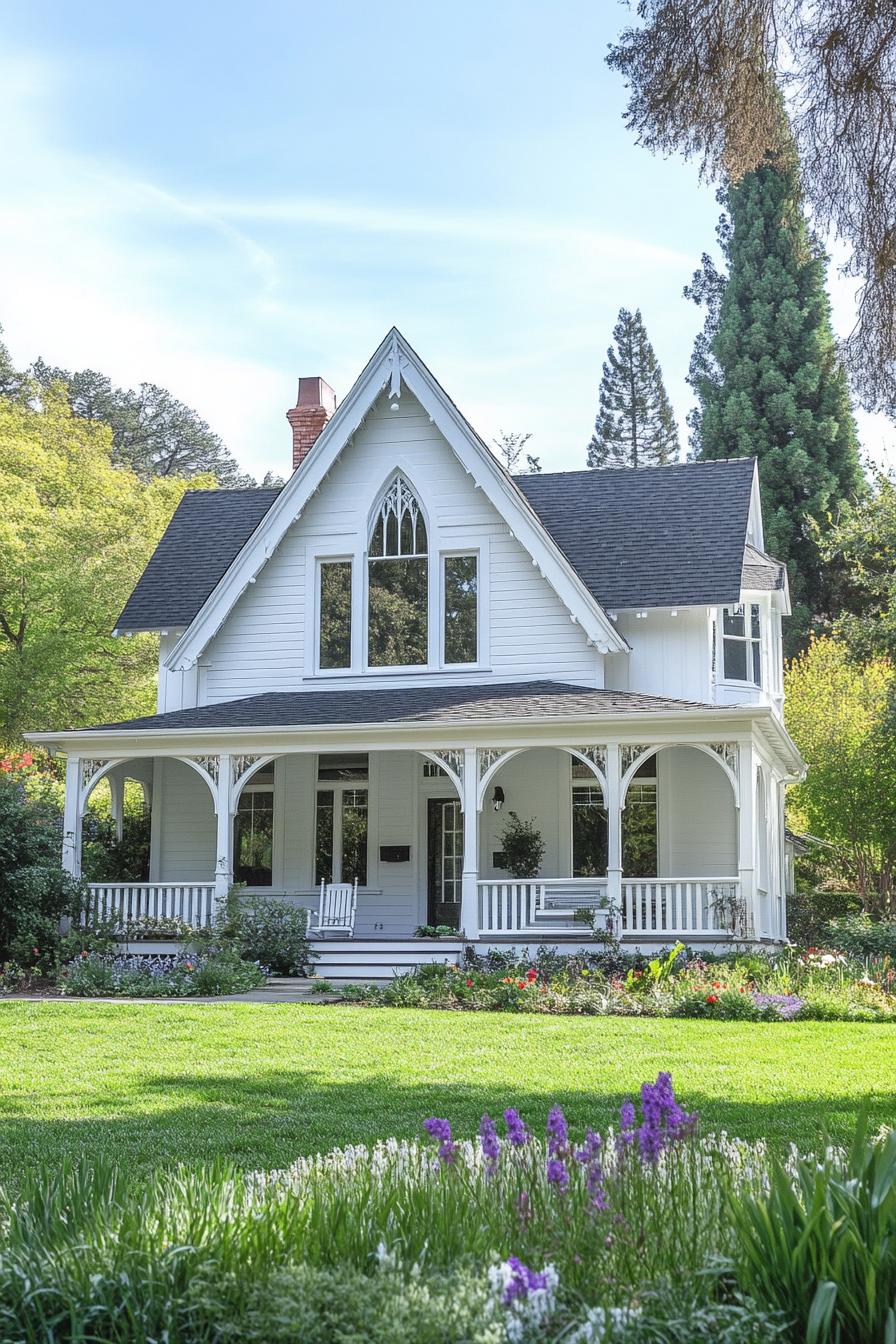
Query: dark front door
{"x": 445, "y": 860}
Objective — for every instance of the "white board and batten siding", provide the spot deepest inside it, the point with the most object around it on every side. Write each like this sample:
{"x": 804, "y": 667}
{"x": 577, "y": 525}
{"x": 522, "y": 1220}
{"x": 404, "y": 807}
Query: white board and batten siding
{"x": 264, "y": 643}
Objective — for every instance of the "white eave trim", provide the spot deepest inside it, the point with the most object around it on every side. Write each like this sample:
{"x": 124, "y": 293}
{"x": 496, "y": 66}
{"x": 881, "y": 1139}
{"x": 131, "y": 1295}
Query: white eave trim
{"x": 395, "y": 360}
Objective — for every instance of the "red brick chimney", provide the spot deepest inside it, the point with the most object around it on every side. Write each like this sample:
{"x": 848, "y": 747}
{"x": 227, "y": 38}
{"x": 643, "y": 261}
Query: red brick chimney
{"x": 316, "y": 403}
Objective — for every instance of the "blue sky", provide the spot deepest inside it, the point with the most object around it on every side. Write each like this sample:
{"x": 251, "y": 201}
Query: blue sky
{"x": 221, "y": 197}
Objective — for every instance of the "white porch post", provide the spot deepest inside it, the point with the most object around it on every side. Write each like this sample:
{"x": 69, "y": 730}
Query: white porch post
{"x": 469, "y": 898}
{"x": 71, "y": 817}
{"x": 614, "y": 830}
{"x": 746, "y": 834}
{"x": 116, "y": 792}
{"x": 224, "y": 849}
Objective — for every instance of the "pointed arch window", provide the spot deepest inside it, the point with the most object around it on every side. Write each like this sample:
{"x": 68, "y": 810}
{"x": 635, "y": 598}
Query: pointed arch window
{"x": 398, "y": 581}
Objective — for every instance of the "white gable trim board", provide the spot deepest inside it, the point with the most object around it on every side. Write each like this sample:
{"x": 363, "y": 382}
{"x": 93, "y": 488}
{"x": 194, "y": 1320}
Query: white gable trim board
{"x": 395, "y": 363}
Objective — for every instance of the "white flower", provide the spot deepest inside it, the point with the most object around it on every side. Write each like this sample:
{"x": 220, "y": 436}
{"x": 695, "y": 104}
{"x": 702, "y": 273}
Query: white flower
{"x": 602, "y": 1323}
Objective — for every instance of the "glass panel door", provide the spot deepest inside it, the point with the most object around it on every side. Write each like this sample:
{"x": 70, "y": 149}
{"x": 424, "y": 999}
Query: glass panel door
{"x": 445, "y": 860}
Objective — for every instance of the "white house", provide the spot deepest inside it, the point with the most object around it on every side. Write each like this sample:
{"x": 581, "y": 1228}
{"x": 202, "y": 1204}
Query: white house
{"x": 362, "y": 673}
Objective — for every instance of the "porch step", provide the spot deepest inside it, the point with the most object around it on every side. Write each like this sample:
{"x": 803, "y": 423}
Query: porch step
{"x": 379, "y": 958}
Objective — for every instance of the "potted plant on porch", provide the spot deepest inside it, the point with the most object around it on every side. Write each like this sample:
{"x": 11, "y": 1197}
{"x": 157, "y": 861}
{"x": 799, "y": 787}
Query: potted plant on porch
{"x": 522, "y": 847}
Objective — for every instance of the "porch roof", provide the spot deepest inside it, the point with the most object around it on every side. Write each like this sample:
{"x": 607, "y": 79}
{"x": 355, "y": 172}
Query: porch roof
{"x": 529, "y": 700}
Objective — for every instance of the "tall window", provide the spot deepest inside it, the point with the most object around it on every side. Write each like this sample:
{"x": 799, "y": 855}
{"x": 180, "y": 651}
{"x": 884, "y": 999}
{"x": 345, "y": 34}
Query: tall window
{"x": 253, "y": 831}
{"x": 398, "y": 582}
{"x": 590, "y": 830}
{"x": 335, "y": 614}
{"x": 461, "y": 608}
{"x": 340, "y": 838}
{"x": 741, "y": 658}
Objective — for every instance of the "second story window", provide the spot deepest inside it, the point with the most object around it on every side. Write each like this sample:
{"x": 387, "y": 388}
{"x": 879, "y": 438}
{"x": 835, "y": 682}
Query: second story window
{"x": 461, "y": 633}
{"x": 335, "y": 608}
{"x": 741, "y": 656}
{"x": 398, "y": 582}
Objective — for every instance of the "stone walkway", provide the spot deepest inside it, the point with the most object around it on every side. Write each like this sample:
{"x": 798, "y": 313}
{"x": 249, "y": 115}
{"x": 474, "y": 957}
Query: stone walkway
{"x": 280, "y": 989}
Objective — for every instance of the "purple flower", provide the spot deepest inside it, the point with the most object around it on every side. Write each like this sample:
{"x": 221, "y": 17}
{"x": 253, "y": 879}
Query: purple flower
{"x": 558, "y": 1132}
{"x": 517, "y": 1133}
{"x": 785, "y": 1006}
{"x": 590, "y": 1149}
{"x": 557, "y": 1173}
{"x": 441, "y": 1130}
{"x": 521, "y": 1280}
{"x": 663, "y": 1120}
{"x": 489, "y": 1141}
{"x": 627, "y": 1115}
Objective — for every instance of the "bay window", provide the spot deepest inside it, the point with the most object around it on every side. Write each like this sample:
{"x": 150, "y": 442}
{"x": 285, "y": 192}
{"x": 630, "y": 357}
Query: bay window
{"x": 741, "y": 639}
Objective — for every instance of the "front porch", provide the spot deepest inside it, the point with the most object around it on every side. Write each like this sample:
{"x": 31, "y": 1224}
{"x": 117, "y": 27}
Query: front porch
{"x": 652, "y": 840}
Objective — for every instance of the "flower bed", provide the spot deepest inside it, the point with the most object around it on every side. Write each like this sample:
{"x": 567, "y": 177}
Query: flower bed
{"x": 749, "y": 987}
{"x": 181, "y": 975}
{"x": 651, "y": 1233}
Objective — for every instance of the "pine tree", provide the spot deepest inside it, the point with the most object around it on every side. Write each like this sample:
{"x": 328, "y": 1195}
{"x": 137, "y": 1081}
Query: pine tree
{"x": 635, "y": 426}
{"x": 769, "y": 381}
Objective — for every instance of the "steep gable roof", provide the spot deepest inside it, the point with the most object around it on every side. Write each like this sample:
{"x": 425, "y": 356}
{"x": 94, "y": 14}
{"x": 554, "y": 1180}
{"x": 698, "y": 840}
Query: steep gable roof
{"x": 658, "y": 536}
{"x": 395, "y": 364}
{"x": 207, "y": 531}
{"x": 654, "y": 536}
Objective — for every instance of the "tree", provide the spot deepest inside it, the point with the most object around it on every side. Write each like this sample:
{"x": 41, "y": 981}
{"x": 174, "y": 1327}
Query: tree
{"x": 13, "y": 384}
{"x": 635, "y": 426}
{"x": 704, "y": 79}
{"x": 509, "y": 448}
{"x": 769, "y": 380}
{"x": 861, "y": 542}
{"x": 75, "y": 535}
{"x": 153, "y": 434}
{"x": 840, "y": 714}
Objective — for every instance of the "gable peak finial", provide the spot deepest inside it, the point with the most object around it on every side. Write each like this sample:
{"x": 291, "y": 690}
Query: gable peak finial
{"x": 395, "y": 365}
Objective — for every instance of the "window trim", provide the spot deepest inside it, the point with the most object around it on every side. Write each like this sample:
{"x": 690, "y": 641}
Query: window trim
{"x": 746, "y": 639}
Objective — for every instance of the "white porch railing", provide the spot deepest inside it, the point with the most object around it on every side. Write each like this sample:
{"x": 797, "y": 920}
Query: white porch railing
{"x": 513, "y": 906}
{"x": 194, "y": 902}
{"x": 653, "y": 905}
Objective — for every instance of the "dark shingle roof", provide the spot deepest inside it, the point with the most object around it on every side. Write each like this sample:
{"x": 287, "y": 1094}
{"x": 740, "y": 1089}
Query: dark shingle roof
{"x": 207, "y": 531}
{"x": 658, "y": 536}
{"x": 762, "y": 573}
{"x": 422, "y": 704}
{"x": 655, "y": 537}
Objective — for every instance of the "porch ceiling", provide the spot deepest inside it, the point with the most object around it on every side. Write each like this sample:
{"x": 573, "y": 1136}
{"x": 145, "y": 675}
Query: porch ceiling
{"x": 454, "y": 705}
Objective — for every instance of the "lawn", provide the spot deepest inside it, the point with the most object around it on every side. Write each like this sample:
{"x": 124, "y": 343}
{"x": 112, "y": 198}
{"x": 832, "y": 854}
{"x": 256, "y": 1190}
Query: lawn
{"x": 259, "y": 1084}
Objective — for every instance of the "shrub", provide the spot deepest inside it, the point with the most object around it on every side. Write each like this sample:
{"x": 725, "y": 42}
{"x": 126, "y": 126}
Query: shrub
{"x": 221, "y": 971}
{"x": 435, "y": 931}
{"x": 34, "y": 890}
{"x": 271, "y": 932}
{"x": 522, "y": 845}
{"x": 861, "y": 936}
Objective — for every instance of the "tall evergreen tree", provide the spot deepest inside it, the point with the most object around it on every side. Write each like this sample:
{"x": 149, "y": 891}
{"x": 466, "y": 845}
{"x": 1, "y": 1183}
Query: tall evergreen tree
{"x": 635, "y": 426}
{"x": 769, "y": 380}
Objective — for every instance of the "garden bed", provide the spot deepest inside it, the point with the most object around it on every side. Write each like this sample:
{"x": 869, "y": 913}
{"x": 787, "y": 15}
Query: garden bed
{"x": 646, "y": 1232}
{"x": 749, "y": 987}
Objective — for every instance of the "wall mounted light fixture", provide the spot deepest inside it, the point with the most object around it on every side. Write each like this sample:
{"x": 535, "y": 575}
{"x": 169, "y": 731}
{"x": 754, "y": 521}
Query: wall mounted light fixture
{"x": 498, "y": 798}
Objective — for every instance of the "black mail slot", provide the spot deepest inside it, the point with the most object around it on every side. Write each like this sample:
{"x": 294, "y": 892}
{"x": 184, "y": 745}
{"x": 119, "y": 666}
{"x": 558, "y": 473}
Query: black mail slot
{"x": 395, "y": 853}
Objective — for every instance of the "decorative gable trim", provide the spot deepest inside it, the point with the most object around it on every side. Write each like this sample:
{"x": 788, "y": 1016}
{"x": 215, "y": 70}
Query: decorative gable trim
{"x": 394, "y": 363}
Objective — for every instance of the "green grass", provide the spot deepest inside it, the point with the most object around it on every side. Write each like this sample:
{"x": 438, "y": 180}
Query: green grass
{"x": 259, "y": 1084}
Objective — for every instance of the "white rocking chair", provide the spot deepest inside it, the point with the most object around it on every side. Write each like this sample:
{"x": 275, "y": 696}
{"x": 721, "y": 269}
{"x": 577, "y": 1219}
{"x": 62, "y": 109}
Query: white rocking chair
{"x": 338, "y": 903}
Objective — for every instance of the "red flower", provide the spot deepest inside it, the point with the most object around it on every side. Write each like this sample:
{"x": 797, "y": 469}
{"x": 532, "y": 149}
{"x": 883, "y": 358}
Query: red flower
{"x": 531, "y": 974}
{"x": 6, "y": 765}
{"x": 36, "y": 951}
{"x": 27, "y": 758}
{"x": 716, "y": 984}
{"x": 712, "y": 998}
{"x": 521, "y": 984}
{"x": 469, "y": 984}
